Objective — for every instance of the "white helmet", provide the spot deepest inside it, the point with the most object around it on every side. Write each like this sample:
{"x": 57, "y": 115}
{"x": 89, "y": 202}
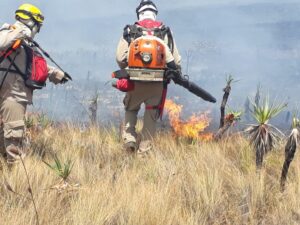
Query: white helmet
{"x": 146, "y": 6}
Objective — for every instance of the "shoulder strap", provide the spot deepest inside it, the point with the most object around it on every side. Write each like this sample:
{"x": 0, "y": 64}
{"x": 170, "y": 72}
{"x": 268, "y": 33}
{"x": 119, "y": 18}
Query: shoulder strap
{"x": 126, "y": 33}
{"x": 132, "y": 32}
{"x": 8, "y": 69}
{"x": 17, "y": 69}
{"x": 164, "y": 31}
{"x": 2, "y": 29}
{"x": 170, "y": 40}
{"x": 6, "y": 53}
{"x": 5, "y": 27}
{"x": 29, "y": 55}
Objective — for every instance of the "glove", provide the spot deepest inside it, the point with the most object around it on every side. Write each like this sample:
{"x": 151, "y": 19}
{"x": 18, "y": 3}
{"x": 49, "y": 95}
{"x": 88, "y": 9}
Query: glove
{"x": 114, "y": 82}
{"x": 66, "y": 78}
{"x": 123, "y": 85}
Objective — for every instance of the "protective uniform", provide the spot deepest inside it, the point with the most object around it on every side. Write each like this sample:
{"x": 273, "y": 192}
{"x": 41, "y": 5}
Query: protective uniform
{"x": 149, "y": 93}
{"x": 14, "y": 94}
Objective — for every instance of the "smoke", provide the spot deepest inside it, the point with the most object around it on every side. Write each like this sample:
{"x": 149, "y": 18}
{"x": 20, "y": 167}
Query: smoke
{"x": 258, "y": 42}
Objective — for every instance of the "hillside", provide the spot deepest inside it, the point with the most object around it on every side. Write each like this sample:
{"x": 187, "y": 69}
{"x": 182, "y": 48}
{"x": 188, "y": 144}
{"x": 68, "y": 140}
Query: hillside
{"x": 257, "y": 43}
{"x": 180, "y": 182}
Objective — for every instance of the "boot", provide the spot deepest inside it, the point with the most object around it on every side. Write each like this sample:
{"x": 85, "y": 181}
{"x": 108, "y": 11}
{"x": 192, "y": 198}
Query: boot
{"x": 130, "y": 147}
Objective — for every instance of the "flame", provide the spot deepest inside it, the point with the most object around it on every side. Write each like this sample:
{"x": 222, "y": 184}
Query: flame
{"x": 192, "y": 128}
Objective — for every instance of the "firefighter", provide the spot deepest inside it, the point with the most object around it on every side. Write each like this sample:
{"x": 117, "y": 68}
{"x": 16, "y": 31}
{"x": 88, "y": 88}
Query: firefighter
{"x": 22, "y": 70}
{"x": 149, "y": 93}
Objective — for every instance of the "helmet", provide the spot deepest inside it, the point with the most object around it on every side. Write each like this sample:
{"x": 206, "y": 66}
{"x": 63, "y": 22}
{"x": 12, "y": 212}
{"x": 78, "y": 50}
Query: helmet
{"x": 28, "y": 11}
{"x": 146, "y": 5}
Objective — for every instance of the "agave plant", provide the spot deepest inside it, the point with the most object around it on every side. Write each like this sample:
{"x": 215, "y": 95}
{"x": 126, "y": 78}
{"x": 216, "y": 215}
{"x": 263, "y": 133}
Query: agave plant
{"x": 290, "y": 150}
{"x": 63, "y": 170}
{"x": 263, "y": 136}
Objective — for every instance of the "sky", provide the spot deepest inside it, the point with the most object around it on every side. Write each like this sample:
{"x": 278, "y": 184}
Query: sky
{"x": 78, "y": 9}
{"x": 65, "y": 17}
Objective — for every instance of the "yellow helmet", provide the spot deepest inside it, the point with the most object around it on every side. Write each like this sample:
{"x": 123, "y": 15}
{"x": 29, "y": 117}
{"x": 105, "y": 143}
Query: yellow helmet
{"x": 28, "y": 11}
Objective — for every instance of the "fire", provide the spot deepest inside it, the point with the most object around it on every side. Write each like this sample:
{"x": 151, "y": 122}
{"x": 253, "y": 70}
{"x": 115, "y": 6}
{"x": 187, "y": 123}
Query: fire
{"x": 192, "y": 128}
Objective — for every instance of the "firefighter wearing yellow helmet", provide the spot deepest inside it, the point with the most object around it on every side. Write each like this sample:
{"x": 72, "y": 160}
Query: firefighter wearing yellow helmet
{"x": 144, "y": 51}
{"x": 22, "y": 70}
{"x": 28, "y": 11}
{"x": 30, "y": 16}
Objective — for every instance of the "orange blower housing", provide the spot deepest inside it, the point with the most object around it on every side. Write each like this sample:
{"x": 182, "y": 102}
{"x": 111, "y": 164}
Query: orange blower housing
{"x": 147, "y": 53}
{"x": 147, "y": 59}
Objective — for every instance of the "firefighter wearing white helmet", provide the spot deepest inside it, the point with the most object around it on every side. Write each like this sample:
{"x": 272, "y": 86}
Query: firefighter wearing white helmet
{"x": 22, "y": 70}
{"x": 150, "y": 92}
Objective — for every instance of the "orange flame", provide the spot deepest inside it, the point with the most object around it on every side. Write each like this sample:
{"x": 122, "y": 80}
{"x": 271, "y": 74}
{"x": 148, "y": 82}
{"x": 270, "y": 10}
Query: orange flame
{"x": 192, "y": 128}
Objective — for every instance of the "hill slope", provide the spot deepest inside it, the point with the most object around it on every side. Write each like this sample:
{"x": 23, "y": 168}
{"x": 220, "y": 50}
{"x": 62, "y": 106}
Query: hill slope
{"x": 178, "y": 183}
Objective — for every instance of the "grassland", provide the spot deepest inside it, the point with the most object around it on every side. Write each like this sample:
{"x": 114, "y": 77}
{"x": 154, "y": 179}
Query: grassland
{"x": 179, "y": 182}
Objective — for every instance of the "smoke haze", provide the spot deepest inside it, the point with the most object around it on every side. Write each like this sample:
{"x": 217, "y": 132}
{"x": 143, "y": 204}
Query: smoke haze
{"x": 258, "y": 42}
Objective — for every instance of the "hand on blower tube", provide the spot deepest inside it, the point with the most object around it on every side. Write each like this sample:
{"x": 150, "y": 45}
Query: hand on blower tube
{"x": 114, "y": 82}
{"x": 66, "y": 78}
{"x": 174, "y": 73}
{"x": 25, "y": 34}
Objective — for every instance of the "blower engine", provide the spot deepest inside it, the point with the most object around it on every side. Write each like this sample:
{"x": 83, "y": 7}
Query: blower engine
{"x": 147, "y": 63}
{"x": 146, "y": 59}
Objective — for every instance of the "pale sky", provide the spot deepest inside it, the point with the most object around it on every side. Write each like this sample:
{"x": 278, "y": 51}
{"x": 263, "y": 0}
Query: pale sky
{"x": 68, "y": 9}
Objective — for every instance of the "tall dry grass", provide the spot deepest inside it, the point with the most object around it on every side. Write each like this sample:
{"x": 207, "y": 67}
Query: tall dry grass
{"x": 177, "y": 183}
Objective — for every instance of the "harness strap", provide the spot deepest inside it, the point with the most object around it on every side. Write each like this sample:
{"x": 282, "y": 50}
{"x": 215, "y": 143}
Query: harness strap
{"x": 10, "y": 70}
{"x": 6, "y": 53}
{"x": 132, "y": 32}
{"x": 160, "y": 107}
{"x": 17, "y": 69}
{"x": 12, "y": 61}
{"x": 4, "y": 28}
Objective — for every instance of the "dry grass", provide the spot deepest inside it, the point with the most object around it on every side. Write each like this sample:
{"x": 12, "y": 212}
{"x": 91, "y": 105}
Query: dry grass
{"x": 178, "y": 183}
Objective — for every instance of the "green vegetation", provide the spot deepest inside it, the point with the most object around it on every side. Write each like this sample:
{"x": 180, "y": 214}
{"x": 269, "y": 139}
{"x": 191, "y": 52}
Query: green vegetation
{"x": 63, "y": 170}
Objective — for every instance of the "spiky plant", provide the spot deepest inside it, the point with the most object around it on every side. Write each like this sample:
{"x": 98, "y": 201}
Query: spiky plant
{"x": 234, "y": 115}
{"x": 263, "y": 136}
{"x": 63, "y": 170}
{"x": 44, "y": 121}
{"x": 230, "y": 119}
{"x": 290, "y": 150}
{"x": 29, "y": 122}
